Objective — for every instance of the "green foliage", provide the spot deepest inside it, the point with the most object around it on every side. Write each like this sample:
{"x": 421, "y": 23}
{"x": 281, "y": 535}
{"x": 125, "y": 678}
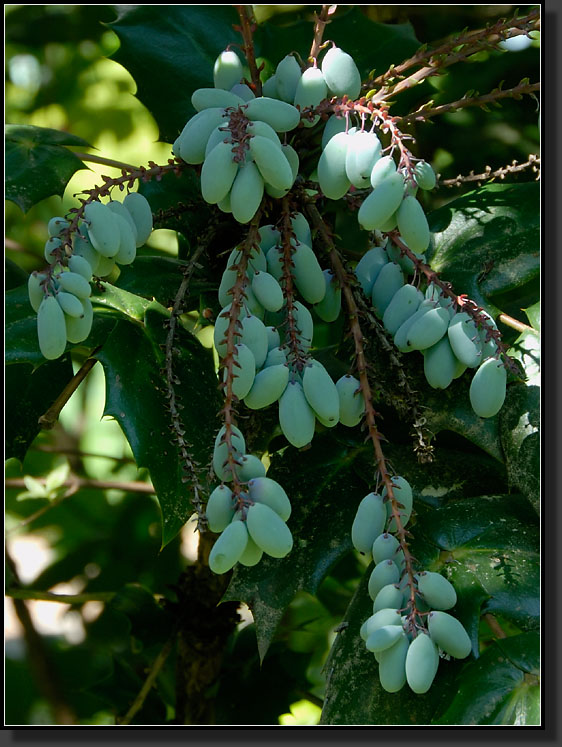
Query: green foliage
{"x": 37, "y": 166}
{"x": 151, "y": 409}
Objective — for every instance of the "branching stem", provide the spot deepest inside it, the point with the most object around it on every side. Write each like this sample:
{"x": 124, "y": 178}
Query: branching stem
{"x": 247, "y": 28}
{"x": 443, "y": 56}
{"x": 188, "y": 465}
{"x": 228, "y": 362}
{"x": 48, "y": 420}
{"x": 412, "y": 612}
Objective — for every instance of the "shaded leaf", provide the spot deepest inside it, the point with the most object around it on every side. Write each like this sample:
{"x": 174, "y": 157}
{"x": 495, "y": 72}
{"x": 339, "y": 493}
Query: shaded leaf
{"x": 450, "y": 410}
{"x": 488, "y": 548}
{"x": 487, "y": 241}
{"x": 170, "y": 51}
{"x": 37, "y": 165}
{"x": 324, "y": 491}
{"x": 500, "y": 688}
{"x": 136, "y": 396}
{"x": 177, "y": 204}
{"x": 20, "y": 329}
{"x": 159, "y": 278}
{"x": 28, "y": 394}
{"x": 256, "y": 692}
{"x": 451, "y": 475}
{"x": 521, "y": 440}
{"x": 353, "y": 692}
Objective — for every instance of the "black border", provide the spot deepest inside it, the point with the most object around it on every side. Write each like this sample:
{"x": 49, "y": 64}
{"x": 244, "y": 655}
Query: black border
{"x": 551, "y": 305}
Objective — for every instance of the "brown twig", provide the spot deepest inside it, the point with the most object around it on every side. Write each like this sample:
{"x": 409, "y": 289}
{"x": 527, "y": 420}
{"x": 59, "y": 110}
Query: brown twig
{"x": 361, "y": 367}
{"x": 149, "y": 682}
{"x": 228, "y": 362}
{"x": 133, "y": 486}
{"x": 494, "y": 626}
{"x": 48, "y": 596}
{"x": 533, "y": 163}
{"x": 48, "y": 420}
{"x": 189, "y": 467}
{"x": 320, "y": 24}
{"x": 247, "y": 28}
{"x": 441, "y": 56}
{"x": 426, "y": 111}
{"x": 90, "y": 157}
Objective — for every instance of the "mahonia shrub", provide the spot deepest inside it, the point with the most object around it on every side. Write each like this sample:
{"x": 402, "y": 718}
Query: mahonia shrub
{"x": 356, "y": 435}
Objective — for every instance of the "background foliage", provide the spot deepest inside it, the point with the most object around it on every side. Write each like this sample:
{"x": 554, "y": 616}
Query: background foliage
{"x": 77, "y": 70}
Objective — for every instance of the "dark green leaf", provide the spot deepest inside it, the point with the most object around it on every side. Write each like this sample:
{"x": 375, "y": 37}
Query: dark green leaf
{"x": 489, "y": 549}
{"x": 170, "y": 51}
{"x": 159, "y": 278}
{"x": 14, "y": 275}
{"x": 521, "y": 440}
{"x": 128, "y": 305}
{"x": 133, "y": 360}
{"x": 501, "y": 688}
{"x": 450, "y": 410}
{"x": 177, "y": 204}
{"x": 324, "y": 491}
{"x": 29, "y": 393}
{"x": 487, "y": 241}
{"x": 150, "y": 623}
{"x": 252, "y": 691}
{"x": 451, "y": 475}
{"x": 37, "y": 165}
{"x": 353, "y": 692}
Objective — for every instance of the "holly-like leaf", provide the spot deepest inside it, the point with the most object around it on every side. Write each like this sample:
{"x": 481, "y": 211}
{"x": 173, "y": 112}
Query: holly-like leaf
{"x": 37, "y": 163}
{"x": 177, "y": 204}
{"x": 20, "y": 329}
{"x": 324, "y": 491}
{"x": 521, "y": 440}
{"x": 488, "y": 547}
{"x": 353, "y": 692}
{"x": 448, "y": 477}
{"x": 501, "y": 688}
{"x": 158, "y": 278}
{"x": 126, "y": 304}
{"x": 527, "y": 348}
{"x": 133, "y": 360}
{"x": 487, "y": 241}
{"x": 170, "y": 51}
{"x": 450, "y": 410}
{"x": 28, "y": 394}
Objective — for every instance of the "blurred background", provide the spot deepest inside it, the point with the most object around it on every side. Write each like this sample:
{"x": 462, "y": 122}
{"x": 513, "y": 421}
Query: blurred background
{"x": 59, "y": 74}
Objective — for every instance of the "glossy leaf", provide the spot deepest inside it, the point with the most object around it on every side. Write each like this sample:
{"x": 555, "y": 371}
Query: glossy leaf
{"x": 324, "y": 492}
{"x": 179, "y": 44}
{"x": 353, "y": 691}
{"x": 133, "y": 360}
{"x": 487, "y": 241}
{"x": 159, "y": 278}
{"x": 28, "y": 394}
{"x": 488, "y": 548}
{"x": 501, "y": 688}
{"x": 521, "y": 440}
{"x": 37, "y": 163}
